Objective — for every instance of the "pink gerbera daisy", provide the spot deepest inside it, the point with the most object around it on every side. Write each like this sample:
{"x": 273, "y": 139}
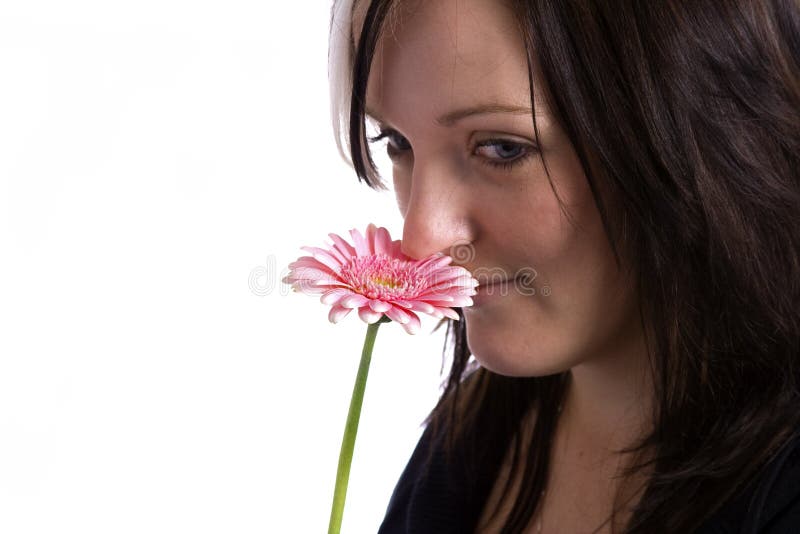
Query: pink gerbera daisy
{"x": 376, "y": 278}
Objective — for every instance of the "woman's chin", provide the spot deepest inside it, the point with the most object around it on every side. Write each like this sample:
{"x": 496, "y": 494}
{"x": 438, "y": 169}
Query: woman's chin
{"x": 499, "y": 358}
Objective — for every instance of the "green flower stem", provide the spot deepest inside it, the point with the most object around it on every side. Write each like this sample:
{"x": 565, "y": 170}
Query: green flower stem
{"x": 351, "y": 428}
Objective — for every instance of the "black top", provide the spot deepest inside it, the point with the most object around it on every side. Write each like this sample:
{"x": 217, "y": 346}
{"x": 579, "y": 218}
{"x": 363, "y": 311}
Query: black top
{"x": 431, "y": 502}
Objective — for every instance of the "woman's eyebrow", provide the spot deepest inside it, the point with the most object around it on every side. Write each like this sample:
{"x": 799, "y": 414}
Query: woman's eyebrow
{"x": 452, "y": 117}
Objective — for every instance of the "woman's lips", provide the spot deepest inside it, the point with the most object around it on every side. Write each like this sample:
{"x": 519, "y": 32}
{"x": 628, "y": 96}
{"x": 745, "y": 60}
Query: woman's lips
{"x": 496, "y": 288}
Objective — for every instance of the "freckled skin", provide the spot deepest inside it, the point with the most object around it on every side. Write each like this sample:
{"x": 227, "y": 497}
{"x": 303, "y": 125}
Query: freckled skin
{"x": 581, "y": 315}
{"x": 446, "y": 55}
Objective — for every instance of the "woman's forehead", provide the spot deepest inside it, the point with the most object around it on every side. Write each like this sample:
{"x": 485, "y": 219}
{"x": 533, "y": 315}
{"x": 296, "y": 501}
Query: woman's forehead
{"x": 447, "y": 11}
{"x": 357, "y": 21}
{"x": 450, "y": 53}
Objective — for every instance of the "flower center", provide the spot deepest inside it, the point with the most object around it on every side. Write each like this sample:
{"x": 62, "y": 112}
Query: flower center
{"x": 382, "y": 277}
{"x": 386, "y": 282}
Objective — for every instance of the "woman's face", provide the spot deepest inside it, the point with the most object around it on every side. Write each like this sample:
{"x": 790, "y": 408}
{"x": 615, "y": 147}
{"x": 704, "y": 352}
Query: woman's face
{"x": 449, "y": 84}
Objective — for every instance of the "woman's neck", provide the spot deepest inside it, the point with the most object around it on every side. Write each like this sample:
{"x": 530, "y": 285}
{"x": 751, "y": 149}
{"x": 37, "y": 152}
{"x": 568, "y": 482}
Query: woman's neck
{"x": 609, "y": 399}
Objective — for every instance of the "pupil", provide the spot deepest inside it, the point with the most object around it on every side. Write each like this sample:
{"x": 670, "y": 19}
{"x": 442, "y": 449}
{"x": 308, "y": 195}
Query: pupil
{"x": 507, "y": 147}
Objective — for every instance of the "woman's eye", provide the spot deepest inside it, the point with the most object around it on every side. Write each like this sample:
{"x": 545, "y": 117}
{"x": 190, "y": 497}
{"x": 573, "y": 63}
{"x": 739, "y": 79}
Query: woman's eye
{"x": 396, "y": 142}
{"x": 497, "y": 153}
{"x": 503, "y": 153}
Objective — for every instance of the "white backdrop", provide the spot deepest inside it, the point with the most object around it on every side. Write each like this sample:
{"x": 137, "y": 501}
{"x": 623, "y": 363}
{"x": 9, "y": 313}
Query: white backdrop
{"x": 161, "y": 163}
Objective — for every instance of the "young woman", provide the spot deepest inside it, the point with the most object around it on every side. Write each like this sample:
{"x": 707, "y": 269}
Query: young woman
{"x": 624, "y": 177}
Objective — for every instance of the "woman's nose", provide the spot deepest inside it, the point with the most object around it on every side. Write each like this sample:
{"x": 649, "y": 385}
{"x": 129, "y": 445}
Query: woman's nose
{"x": 437, "y": 214}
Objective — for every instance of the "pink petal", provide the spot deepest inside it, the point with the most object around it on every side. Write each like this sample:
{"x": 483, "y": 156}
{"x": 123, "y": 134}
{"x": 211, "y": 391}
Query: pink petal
{"x": 442, "y": 287}
{"x": 337, "y": 313}
{"x": 332, "y": 296}
{"x": 310, "y": 273}
{"x": 344, "y": 247}
{"x": 438, "y": 299}
{"x": 307, "y": 262}
{"x": 353, "y": 300}
{"x": 305, "y": 286}
{"x": 313, "y": 288}
{"x": 447, "y": 275}
{"x": 324, "y": 256}
{"x": 398, "y": 315}
{"x": 413, "y": 326}
{"x": 449, "y": 300}
{"x": 449, "y": 312}
{"x": 361, "y": 246}
{"x": 383, "y": 243}
{"x": 369, "y": 316}
{"x": 325, "y": 284}
{"x": 337, "y": 254}
{"x": 462, "y": 300}
{"x": 463, "y": 276}
{"x": 432, "y": 263}
{"x": 379, "y": 305}
{"x": 371, "y": 238}
{"x": 397, "y": 251}
{"x": 446, "y": 293}
{"x": 419, "y": 305}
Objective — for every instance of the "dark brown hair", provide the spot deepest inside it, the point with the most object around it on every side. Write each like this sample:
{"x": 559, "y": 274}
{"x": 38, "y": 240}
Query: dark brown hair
{"x": 688, "y": 115}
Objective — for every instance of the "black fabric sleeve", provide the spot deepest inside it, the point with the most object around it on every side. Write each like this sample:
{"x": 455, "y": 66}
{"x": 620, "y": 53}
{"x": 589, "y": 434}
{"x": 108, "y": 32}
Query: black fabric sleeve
{"x": 396, "y": 519}
{"x": 429, "y": 499}
{"x": 770, "y": 504}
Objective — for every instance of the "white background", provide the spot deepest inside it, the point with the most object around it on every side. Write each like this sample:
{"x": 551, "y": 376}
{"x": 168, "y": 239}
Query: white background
{"x": 153, "y": 157}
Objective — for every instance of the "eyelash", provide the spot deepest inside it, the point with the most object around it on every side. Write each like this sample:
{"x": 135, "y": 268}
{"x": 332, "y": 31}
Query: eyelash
{"x": 504, "y": 165}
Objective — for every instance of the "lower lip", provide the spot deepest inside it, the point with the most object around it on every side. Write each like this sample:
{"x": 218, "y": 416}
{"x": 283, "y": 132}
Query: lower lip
{"x": 493, "y": 292}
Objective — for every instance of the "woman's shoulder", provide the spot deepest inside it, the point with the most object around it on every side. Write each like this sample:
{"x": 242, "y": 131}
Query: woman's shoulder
{"x": 776, "y": 501}
{"x": 770, "y": 504}
{"x": 429, "y": 496}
